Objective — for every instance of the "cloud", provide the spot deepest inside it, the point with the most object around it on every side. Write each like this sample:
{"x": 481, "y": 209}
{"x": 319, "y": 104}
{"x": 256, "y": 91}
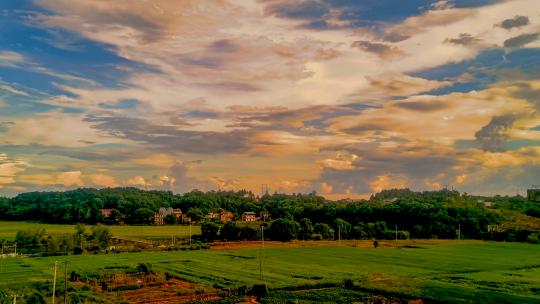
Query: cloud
{"x": 52, "y": 128}
{"x": 169, "y": 139}
{"x": 394, "y": 84}
{"x": 384, "y": 51}
{"x": 102, "y": 180}
{"x": 225, "y": 184}
{"x": 418, "y": 166}
{"x": 517, "y": 21}
{"x": 138, "y": 181}
{"x": 342, "y": 161}
{"x": 10, "y": 168}
{"x": 418, "y": 24}
{"x": 180, "y": 180}
{"x": 65, "y": 179}
{"x": 494, "y": 135}
{"x": 12, "y": 90}
{"x": 387, "y": 181}
{"x": 463, "y": 39}
{"x": 521, "y": 40}
{"x": 424, "y": 106}
{"x": 68, "y": 179}
{"x": 10, "y": 59}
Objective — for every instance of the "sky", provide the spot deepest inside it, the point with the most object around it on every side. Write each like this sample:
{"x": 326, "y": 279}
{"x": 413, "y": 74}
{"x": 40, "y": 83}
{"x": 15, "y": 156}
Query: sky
{"x": 341, "y": 97}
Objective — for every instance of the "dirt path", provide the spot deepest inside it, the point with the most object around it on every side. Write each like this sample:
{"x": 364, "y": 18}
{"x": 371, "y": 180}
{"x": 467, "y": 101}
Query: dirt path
{"x": 349, "y": 243}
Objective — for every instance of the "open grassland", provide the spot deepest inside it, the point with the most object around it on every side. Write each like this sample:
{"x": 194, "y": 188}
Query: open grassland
{"x": 9, "y": 229}
{"x": 454, "y": 272}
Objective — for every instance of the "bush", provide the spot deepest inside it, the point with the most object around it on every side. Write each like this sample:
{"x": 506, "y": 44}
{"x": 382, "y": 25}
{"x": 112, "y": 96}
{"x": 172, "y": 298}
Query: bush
{"x": 35, "y": 298}
{"x": 348, "y": 284}
{"x": 210, "y": 231}
{"x": 533, "y": 238}
{"x": 259, "y": 291}
{"x": 125, "y": 287}
{"x": 145, "y": 268}
{"x": 317, "y": 237}
{"x": 325, "y": 230}
{"x": 283, "y": 230}
{"x": 77, "y": 250}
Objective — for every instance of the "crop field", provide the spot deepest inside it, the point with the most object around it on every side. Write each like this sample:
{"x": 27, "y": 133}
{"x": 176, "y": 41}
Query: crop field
{"x": 452, "y": 271}
{"x": 9, "y": 229}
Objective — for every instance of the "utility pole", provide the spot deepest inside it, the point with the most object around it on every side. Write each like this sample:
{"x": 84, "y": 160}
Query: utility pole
{"x": 261, "y": 254}
{"x": 15, "y": 248}
{"x": 459, "y": 232}
{"x": 396, "y": 233}
{"x": 339, "y": 234}
{"x": 65, "y": 282}
{"x": 54, "y": 283}
{"x": 190, "y": 233}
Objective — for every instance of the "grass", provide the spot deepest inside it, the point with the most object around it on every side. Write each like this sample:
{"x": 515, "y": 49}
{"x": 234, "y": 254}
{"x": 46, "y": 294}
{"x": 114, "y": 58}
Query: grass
{"x": 456, "y": 272}
{"x": 9, "y": 229}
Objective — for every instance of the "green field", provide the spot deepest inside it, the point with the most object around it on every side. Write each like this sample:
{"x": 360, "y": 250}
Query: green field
{"x": 463, "y": 272}
{"x": 9, "y": 229}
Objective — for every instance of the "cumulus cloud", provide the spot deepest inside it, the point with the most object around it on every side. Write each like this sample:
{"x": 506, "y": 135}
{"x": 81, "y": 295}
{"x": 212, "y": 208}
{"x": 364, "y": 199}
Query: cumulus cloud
{"x": 464, "y": 39}
{"x": 168, "y": 138}
{"x": 494, "y": 135}
{"x": 521, "y": 40}
{"x": 103, "y": 180}
{"x": 382, "y": 50}
{"x": 10, "y": 168}
{"x": 517, "y": 21}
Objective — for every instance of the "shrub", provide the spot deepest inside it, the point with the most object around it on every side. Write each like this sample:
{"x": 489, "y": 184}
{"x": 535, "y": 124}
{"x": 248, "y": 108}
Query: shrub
{"x": 317, "y": 237}
{"x": 533, "y": 238}
{"x": 145, "y": 268}
{"x": 259, "y": 291}
{"x": 348, "y": 284}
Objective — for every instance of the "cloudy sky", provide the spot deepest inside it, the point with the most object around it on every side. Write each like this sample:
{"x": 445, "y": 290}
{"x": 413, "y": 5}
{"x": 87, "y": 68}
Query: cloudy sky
{"x": 344, "y": 97}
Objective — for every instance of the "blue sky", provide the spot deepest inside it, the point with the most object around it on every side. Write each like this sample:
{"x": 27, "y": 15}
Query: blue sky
{"x": 342, "y": 97}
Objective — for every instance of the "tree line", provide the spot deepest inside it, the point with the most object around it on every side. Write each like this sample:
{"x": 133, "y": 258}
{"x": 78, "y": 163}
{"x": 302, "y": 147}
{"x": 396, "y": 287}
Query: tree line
{"x": 428, "y": 214}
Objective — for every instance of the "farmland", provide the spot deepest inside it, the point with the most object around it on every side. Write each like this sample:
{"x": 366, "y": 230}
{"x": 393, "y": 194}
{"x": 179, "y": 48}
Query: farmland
{"x": 9, "y": 229}
{"x": 466, "y": 271}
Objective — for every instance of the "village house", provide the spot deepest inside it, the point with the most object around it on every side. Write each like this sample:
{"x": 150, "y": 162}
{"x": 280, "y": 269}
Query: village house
{"x": 106, "y": 213}
{"x": 226, "y": 216}
{"x": 159, "y": 217}
{"x": 222, "y": 215}
{"x": 212, "y": 215}
{"x": 249, "y": 217}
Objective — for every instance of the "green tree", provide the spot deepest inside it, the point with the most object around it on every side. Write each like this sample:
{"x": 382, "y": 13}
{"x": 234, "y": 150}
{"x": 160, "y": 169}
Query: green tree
{"x": 141, "y": 216}
{"x": 342, "y": 227}
{"x": 209, "y": 231}
{"x": 101, "y": 235}
{"x": 284, "y": 230}
{"x": 230, "y": 231}
{"x": 196, "y": 214}
{"x": 306, "y": 228}
{"x": 170, "y": 219}
{"x": 324, "y": 230}
{"x": 31, "y": 240}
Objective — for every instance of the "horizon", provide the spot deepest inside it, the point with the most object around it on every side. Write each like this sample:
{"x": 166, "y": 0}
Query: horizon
{"x": 345, "y": 98}
{"x": 259, "y": 195}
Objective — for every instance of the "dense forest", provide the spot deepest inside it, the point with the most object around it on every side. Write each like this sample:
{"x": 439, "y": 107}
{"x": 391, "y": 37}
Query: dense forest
{"x": 430, "y": 214}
